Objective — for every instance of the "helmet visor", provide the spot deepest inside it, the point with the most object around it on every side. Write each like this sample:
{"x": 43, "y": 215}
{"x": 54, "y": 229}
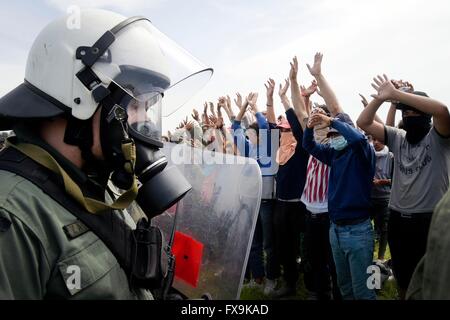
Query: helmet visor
{"x": 143, "y": 60}
{"x": 144, "y": 116}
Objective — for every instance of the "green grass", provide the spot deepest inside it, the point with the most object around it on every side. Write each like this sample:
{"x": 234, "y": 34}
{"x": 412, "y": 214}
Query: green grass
{"x": 388, "y": 291}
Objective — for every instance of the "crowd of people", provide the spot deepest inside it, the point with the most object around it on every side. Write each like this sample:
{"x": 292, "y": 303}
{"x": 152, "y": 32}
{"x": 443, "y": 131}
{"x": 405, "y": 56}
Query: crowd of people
{"x": 339, "y": 186}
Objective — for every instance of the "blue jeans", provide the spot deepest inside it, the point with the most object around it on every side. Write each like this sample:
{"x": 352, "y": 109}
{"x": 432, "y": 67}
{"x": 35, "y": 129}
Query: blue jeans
{"x": 352, "y": 247}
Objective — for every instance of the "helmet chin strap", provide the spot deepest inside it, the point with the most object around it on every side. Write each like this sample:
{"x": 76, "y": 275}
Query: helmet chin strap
{"x": 115, "y": 141}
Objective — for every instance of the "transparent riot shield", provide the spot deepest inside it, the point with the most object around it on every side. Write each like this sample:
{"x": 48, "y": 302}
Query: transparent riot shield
{"x": 216, "y": 220}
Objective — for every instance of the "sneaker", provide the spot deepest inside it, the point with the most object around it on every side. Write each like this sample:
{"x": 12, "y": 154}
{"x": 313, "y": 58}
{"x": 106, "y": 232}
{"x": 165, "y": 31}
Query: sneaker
{"x": 269, "y": 288}
{"x": 284, "y": 291}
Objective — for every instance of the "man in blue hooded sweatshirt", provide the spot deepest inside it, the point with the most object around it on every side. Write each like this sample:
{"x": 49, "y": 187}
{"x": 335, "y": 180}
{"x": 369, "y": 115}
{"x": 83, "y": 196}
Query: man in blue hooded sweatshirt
{"x": 352, "y": 163}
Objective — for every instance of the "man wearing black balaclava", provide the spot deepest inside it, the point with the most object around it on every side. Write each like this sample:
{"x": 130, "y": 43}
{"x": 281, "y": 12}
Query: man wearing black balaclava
{"x": 421, "y": 176}
{"x": 417, "y": 124}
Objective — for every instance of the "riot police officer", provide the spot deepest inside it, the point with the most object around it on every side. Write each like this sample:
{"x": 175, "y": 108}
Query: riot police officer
{"x": 87, "y": 124}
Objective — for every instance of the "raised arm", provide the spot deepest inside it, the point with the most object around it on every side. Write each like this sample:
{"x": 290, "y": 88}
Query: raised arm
{"x": 318, "y": 151}
{"x": 325, "y": 89}
{"x": 205, "y": 118}
{"x": 404, "y": 86}
{"x": 229, "y": 108}
{"x": 252, "y": 102}
{"x": 222, "y": 104}
{"x": 366, "y": 120}
{"x": 241, "y": 142}
{"x": 439, "y": 112}
{"x": 352, "y": 135}
{"x": 241, "y": 105}
{"x": 365, "y": 104}
{"x": 211, "y": 108}
{"x": 297, "y": 98}
{"x": 307, "y": 93}
{"x": 282, "y": 93}
{"x": 270, "y": 87}
{"x": 390, "y": 118}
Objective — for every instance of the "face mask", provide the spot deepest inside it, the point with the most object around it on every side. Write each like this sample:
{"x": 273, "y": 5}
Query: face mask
{"x": 338, "y": 143}
{"x": 416, "y": 127}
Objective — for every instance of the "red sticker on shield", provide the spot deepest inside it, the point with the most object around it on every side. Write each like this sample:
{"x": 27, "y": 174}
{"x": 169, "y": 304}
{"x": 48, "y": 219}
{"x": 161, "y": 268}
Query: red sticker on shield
{"x": 188, "y": 254}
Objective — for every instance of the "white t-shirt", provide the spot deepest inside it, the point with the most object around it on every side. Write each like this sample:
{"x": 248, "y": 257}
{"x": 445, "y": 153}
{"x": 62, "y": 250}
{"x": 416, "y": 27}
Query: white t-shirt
{"x": 315, "y": 193}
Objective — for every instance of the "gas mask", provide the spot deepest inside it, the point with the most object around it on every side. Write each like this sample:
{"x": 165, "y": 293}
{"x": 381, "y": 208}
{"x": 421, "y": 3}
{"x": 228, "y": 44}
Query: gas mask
{"x": 138, "y": 121}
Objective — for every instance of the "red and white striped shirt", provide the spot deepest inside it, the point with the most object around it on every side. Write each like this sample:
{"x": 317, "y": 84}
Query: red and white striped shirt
{"x": 315, "y": 193}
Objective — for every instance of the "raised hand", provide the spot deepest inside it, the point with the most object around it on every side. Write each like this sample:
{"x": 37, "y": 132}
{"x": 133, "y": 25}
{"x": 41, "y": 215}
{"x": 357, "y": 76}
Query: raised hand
{"x": 318, "y": 119}
{"x": 294, "y": 70}
{"x": 409, "y": 86}
{"x": 228, "y": 108}
{"x": 241, "y": 105}
{"x": 238, "y": 100}
{"x": 212, "y": 118}
{"x": 221, "y": 104}
{"x": 316, "y": 69}
{"x": 189, "y": 125}
{"x": 195, "y": 115}
{"x": 211, "y": 108}
{"x": 252, "y": 98}
{"x": 363, "y": 100}
{"x": 219, "y": 123}
{"x": 317, "y": 109}
{"x": 384, "y": 87}
{"x": 228, "y": 102}
{"x": 403, "y": 85}
{"x": 283, "y": 89}
{"x": 307, "y": 92}
{"x": 270, "y": 87}
{"x": 205, "y": 114}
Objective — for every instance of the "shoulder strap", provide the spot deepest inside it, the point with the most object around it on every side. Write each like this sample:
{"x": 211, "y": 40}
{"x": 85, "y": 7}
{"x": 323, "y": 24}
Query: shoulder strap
{"x": 108, "y": 226}
{"x": 43, "y": 158}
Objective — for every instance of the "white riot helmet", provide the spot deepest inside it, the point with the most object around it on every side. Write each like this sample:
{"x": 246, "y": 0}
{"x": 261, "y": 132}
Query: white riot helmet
{"x": 70, "y": 67}
{"x": 126, "y": 66}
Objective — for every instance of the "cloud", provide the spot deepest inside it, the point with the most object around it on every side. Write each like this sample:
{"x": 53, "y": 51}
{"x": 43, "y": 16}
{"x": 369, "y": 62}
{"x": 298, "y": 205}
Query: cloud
{"x": 12, "y": 76}
{"x": 405, "y": 39}
{"x": 246, "y": 42}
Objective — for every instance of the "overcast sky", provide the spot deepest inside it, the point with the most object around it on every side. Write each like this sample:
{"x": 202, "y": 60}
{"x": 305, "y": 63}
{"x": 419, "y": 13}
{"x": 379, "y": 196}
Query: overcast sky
{"x": 246, "y": 42}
